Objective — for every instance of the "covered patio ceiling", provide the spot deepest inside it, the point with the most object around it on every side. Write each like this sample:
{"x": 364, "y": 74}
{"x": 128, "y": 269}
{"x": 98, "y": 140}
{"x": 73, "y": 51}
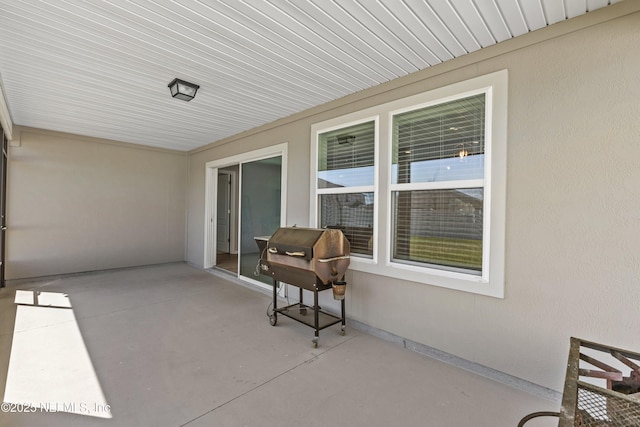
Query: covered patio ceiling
{"x": 101, "y": 67}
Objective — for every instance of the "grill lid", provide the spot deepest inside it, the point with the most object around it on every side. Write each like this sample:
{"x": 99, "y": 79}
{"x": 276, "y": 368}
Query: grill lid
{"x": 307, "y": 257}
{"x": 294, "y": 240}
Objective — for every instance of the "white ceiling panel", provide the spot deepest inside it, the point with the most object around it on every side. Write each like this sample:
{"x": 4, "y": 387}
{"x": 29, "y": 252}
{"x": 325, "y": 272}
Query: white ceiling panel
{"x": 533, "y": 13}
{"x": 554, "y": 11}
{"x": 455, "y": 23}
{"x": 493, "y": 18}
{"x": 575, "y": 8}
{"x": 433, "y": 24}
{"x": 513, "y": 17}
{"x": 101, "y": 67}
{"x": 470, "y": 15}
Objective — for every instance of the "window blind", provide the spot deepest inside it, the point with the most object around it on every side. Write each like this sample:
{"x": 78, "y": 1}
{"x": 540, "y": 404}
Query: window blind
{"x": 346, "y": 156}
{"x": 440, "y": 143}
{"x": 353, "y": 214}
{"x": 439, "y": 227}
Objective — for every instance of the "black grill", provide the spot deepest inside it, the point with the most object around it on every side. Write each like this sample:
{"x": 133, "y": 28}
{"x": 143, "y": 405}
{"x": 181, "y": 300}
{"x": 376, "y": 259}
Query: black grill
{"x": 311, "y": 259}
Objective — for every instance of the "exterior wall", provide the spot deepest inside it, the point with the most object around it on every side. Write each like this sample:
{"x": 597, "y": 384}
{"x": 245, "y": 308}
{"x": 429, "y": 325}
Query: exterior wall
{"x": 80, "y": 204}
{"x": 573, "y": 199}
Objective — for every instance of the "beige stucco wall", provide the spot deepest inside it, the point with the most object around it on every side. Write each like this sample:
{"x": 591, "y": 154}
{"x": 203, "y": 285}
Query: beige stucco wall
{"x": 573, "y": 202}
{"x": 82, "y": 204}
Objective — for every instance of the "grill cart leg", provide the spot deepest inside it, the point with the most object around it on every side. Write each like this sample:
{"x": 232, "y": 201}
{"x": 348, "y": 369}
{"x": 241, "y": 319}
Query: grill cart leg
{"x": 343, "y": 318}
{"x": 316, "y": 320}
{"x": 303, "y": 309}
{"x": 273, "y": 318}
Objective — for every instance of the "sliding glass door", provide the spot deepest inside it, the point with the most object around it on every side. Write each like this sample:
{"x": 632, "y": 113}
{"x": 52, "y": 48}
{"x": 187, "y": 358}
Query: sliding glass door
{"x": 260, "y": 210}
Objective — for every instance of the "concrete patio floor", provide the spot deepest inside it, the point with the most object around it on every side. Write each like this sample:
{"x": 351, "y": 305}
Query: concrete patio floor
{"x": 171, "y": 345}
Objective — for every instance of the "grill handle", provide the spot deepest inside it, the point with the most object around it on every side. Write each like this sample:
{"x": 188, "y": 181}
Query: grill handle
{"x": 336, "y": 258}
{"x": 300, "y": 254}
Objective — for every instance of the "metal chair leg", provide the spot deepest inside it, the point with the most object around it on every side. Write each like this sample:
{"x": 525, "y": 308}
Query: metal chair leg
{"x": 536, "y": 415}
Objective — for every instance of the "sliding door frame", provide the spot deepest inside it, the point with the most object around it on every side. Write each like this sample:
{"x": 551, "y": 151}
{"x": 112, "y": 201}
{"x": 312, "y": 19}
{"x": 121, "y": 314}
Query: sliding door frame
{"x": 4, "y": 163}
{"x": 211, "y": 196}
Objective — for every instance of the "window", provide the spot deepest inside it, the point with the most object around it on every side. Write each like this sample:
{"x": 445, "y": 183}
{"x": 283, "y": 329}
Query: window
{"x": 437, "y": 185}
{"x": 432, "y": 169}
{"x": 346, "y": 182}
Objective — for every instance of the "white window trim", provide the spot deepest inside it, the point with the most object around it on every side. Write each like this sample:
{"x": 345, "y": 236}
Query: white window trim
{"x": 491, "y": 282}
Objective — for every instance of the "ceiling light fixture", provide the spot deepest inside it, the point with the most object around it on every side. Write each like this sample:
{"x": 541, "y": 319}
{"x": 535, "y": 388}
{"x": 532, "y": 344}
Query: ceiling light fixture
{"x": 463, "y": 151}
{"x": 183, "y": 90}
{"x": 346, "y": 139}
